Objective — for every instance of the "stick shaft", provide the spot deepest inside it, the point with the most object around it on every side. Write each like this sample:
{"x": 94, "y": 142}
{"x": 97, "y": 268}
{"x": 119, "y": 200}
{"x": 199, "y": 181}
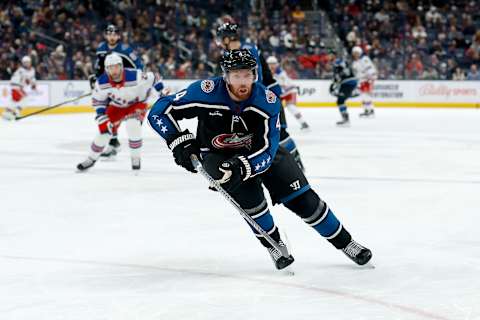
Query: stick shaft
{"x": 198, "y": 166}
{"x": 54, "y": 106}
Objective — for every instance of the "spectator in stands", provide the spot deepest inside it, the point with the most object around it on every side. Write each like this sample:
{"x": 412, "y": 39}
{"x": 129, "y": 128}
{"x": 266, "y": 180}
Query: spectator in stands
{"x": 474, "y": 51}
{"x": 443, "y": 73}
{"x": 161, "y": 30}
{"x": 298, "y": 15}
{"x": 414, "y": 67}
{"x": 418, "y": 31}
{"x": 430, "y": 74}
{"x": 473, "y": 73}
{"x": 458, "y": 74}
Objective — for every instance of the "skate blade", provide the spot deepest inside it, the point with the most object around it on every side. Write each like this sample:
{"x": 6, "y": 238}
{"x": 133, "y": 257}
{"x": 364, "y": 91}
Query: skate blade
{"x": 288, "y": 271}
{"x": 108, "y": 159}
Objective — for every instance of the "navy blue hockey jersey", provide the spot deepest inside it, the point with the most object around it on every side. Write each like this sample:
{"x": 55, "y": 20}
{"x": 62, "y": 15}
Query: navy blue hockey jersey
{"x": 129, "y": 57}
{"x": 250, "y": 128}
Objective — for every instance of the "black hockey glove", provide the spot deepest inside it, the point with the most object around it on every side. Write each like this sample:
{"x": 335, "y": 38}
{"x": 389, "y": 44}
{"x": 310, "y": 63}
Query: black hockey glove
{"x": 334, "y": 87}
{"x": 235, "y": 171}
{"x": 92, "y": 79}
{"x": 183, "y": 147}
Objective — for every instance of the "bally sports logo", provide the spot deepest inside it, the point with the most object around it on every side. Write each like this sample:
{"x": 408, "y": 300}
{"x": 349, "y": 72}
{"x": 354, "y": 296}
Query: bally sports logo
{"x": 232, "y": 141}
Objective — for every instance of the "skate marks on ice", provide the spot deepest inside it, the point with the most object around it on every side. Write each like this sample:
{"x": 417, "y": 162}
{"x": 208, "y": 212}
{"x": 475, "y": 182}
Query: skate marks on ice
{"x": 285, "y": 282}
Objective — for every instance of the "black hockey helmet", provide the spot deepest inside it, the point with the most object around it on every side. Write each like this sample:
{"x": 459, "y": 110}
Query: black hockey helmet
{"x": 227, "y": 30}
{"x": 111, "y": 28}
{"x": 237, "y": 59}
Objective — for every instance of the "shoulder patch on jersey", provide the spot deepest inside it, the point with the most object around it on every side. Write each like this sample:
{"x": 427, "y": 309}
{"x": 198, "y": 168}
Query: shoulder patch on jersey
{"x": 130, "y": 74}
{"x": 207, "y": 86}
{"x": 103, "y": 79}
{"x": 271, "y": 97}
{"x": 124, "y": 46}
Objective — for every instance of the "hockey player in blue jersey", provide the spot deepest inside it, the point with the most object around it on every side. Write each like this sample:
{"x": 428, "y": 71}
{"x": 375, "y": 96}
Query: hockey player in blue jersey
{"x": 228, "y": 39}
{"x": 343, "y": 87}
{"x": 237, "y": 141}
{"x": 130, "y": 60}
{"x": 111, "y": 44}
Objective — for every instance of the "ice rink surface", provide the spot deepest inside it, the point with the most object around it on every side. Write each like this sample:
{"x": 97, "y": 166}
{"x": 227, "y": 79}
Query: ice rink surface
{"x": 107, "y": 244}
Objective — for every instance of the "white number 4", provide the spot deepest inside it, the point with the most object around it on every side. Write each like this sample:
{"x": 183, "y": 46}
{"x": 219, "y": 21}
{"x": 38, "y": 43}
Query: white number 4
{"x": 278, "y": 123}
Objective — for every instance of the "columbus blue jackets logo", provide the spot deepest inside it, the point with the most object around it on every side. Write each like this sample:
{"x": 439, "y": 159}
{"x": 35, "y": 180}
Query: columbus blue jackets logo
{"x": 271, "y": 97}
{"x": 207, "y": 86}
{"x": 232, "y": 141}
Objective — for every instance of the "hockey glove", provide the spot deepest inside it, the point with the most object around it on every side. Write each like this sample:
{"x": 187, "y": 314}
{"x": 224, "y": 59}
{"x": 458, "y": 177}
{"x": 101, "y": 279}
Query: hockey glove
{"x": 104, "y": 123}
{"x": 92, "y": 79}
{"x": 235, "y": 171}
{"x": 334, "y": 89}
{"x": 183, "y": 147}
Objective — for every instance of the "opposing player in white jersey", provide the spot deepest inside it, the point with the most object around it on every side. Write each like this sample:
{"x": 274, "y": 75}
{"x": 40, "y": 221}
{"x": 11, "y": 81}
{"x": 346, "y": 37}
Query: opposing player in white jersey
{"x": 365, "y": 71}
{"x": 120, "y": 95}
{"x": 289, "y": 90}
{"x": 22, "y": 78}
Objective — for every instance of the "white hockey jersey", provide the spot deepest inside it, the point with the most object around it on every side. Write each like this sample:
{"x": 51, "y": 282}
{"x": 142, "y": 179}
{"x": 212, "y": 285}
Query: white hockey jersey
{"x": 364, "y": 69}
{"x": 285, "y": 82}
{"x": 23, "y": 77}
{"x": 135, "y": 87}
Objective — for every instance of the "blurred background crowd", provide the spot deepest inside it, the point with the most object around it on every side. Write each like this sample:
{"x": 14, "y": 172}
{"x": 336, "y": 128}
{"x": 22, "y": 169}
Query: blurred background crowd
{"x": 406, "y": 39}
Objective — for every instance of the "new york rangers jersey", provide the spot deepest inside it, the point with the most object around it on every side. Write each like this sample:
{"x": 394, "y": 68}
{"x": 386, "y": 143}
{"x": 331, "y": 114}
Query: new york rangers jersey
{"x": 135, "y": 87}
{"x": 129, "y": 57}
{"x": 364, "y": 69}
{"x": 23, "y": 77}
{"x": 250, "y": 128}
{"x": 285, "y": 82}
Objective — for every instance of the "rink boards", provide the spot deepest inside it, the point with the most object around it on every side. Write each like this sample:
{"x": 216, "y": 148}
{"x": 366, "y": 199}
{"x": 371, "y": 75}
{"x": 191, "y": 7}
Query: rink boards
{"x": 311, "y": 93}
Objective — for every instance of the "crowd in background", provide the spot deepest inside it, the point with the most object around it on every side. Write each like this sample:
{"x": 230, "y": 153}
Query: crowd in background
{"x": 405, "y": 39}
{"x": 430, "y": 40}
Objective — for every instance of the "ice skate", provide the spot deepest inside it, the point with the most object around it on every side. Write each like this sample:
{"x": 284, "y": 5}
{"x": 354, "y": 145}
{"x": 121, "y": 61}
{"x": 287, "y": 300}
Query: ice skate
{"x": 280, "y": 261}
{"x": 357, "y": 253}
{"x": 136, "y": 164}
{"x": 304, "y": 126}
{"x": 345, "y": 122}
{"x": 10, "y": 114}
{"x": 112, "y": 149}
{"x": 367, "y": 114}
{"x": 109, "y": 152}
{"x": 87, "y": 164}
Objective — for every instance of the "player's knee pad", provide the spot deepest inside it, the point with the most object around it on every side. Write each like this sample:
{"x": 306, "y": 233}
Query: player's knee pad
{"x": 305, "y": 204}
{"x": 134, "y": 127}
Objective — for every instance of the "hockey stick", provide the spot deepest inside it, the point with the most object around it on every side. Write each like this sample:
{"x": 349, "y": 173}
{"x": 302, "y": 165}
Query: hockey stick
{"x": 198, "y": 166}
{"x": 54, "y": 106}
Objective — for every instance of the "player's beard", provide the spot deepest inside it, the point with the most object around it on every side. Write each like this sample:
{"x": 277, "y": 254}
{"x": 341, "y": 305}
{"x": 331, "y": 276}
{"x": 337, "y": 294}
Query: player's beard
{"x": 241, "y": 93}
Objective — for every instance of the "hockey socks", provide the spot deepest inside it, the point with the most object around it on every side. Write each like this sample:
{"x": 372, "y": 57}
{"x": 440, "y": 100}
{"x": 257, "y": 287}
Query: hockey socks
{"x": 98, "y": 145}
{"x": 264, "y": 219}
{"x": 316, "y": 213}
